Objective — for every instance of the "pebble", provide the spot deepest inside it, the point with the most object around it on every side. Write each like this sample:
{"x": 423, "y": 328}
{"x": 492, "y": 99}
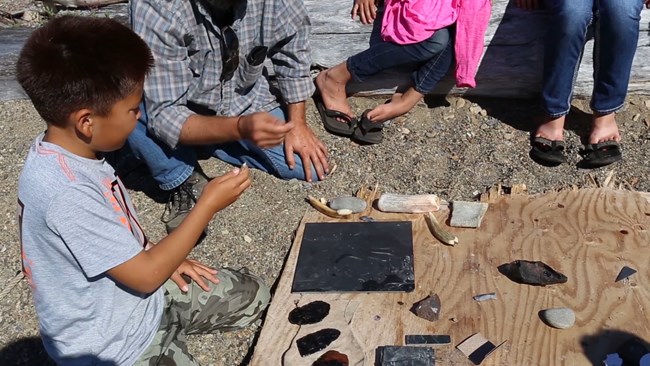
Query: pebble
{"x": 561, "y": 318}
{"x": 475, "y": 109}
{"x": 483, "y": 112}
{"x": 647, "y": 103}
{"x": 460, "y": 103}
{"x": 430, "y": 134}
{"x": 247, "y": 239}
{"x": 448, "y": 117}
{"x": 404, "y": 130}
{"x": 491, "y": 121}
{"x": 636, "y": 117}
{"x": 508, "y": 136}
{"x": 353, "y": 204}
{"x": 344, "y": 212}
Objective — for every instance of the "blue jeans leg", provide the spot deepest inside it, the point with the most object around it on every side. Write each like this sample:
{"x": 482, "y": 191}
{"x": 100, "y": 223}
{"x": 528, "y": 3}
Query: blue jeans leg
{"x": 271, "y": 160}
{"x": 427, "y": 76}
{"x": 565, "y": 40}
{"x": 169, "y": 167}
{"x": 616, "y": 37}
{"x": 384, "y": 55}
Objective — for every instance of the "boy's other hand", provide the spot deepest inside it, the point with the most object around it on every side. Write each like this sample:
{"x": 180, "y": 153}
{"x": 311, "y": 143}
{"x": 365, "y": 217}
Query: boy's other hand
{"x": 222, "y": 191}
{"x": 197, "y": 271}
{"x": 263, "y": 129}
{"x": 529, "y": 4}
{"x": 366, "y": 9}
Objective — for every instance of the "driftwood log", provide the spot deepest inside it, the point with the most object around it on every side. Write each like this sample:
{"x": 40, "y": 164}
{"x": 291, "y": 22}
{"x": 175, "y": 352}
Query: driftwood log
{"x": 511, "y": 65}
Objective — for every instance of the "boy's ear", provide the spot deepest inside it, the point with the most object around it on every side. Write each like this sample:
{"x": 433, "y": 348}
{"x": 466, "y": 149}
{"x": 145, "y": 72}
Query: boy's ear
{"x": 83, "y": 122}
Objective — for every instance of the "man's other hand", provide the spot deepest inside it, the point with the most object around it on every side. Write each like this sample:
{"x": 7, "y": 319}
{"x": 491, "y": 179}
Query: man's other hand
{"x": 302, "y": 141}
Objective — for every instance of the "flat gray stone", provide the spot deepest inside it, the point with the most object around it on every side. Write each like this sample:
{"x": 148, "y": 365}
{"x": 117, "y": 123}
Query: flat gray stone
{"x": 353, "y": 204}
{"x": 467, "y": 214}
{"x": 561, "y": 318}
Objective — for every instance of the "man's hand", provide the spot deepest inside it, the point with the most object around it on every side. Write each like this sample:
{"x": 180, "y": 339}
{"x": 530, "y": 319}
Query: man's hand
{"x": 263, "y": 129}
{"x": 530, "y": 4}
{"x": 197, "y": 272}
{"x": 366, "y": 9}
{"x": 222, "y": 191}
{"x": 302, "y": 141}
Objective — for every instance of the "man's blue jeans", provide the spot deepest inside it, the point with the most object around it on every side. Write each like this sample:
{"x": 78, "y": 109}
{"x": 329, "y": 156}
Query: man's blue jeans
{"x": 171, "y": 167}
{"x": 431, "y": 57}
{"x": 616, "y": 31}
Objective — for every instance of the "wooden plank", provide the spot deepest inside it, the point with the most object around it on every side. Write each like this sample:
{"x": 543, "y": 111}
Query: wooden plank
{"x": 512, "y": 61}
{"x": 588, "y": 235}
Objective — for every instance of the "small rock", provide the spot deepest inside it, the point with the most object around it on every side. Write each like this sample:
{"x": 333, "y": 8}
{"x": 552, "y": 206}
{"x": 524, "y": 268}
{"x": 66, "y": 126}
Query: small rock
{"x": 404, "y": 130}
{"x": 460, "y": 103}
{"x": 561, "y": 318}
{"x": 636, "y": 117}
{"x": 323, "y": 200}
{"x": 646, "y": 122}
{"x": 647, "y": 103}
{"x": 430, "y": 134}
{"x": 30, "y": 15}
{"x": 475, "y": 109}
{"x": 354, "y": 204}
{"x": 344, "y": 212}
{"x": 483, "y": 112}
{"x": 247, "y": 239}
{"x": 448, "y": 117}
{"x": 492, "y": 122}
{"x": 224, "y": 232}
{"x": 508, "y": 136}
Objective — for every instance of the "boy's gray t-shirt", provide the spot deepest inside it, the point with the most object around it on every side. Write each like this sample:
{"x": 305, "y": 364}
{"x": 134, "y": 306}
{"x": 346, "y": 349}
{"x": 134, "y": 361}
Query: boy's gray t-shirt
{"x": 77, "y": 222}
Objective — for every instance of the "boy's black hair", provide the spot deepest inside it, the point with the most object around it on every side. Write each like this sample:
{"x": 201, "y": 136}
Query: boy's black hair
{"x": 73, "y": 62}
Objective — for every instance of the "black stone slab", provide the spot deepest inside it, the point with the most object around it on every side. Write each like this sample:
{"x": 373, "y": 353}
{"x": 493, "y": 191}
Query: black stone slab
{"x": 355, "y": 256}
{"x": 404, "y": 356}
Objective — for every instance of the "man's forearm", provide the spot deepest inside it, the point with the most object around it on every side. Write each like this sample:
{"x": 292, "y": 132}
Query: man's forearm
{"x": 206, "y": 130}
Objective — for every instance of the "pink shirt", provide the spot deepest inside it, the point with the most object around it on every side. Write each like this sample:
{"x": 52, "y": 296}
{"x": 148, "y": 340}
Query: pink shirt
{"x": 413, "y": 21}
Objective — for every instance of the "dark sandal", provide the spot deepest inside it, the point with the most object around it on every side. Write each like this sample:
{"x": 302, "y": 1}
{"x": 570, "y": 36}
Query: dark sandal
{"x": 368, "y": 132}
{"x": 600, "y": 154}
{"x": 332, "y": 119}
{"x": 547, "y": 152}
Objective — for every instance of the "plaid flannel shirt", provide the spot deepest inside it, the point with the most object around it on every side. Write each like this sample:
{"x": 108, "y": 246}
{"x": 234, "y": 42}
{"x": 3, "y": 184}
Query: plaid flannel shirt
{"x": 186, "y": 47}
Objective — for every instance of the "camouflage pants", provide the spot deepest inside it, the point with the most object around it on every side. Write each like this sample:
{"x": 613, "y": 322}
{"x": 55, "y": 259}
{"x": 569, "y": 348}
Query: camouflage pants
{"x": 235, "y": 302}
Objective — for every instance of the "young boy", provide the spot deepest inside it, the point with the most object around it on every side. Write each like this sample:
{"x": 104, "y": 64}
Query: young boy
{"x": 100, "y": 289}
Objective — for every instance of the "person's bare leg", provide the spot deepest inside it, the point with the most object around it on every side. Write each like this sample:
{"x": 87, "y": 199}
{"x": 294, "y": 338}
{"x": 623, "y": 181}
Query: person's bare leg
{"x": 551, "y": 129}
{"x": 331, "y": 86}
{"x": 604, "y": 128}
{"x": 399, "y": 104}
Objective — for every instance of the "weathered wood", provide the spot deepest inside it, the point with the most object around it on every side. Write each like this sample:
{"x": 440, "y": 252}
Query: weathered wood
{"x": 512, "y": 61}
{"x": 588, "y": 235}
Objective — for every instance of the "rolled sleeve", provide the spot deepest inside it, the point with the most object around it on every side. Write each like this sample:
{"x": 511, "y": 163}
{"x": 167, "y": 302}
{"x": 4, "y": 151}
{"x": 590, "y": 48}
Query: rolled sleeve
{"x": 167, "y": 85}
{"x": 292, "y": 60}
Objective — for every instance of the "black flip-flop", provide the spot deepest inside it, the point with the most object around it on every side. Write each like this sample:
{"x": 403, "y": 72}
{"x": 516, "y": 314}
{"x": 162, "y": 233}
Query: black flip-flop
{"x": 547, "y": 152}
{"x": 600, "y": 154}
{"x": 368, "y": 132}
{"x": 332, "y": 119}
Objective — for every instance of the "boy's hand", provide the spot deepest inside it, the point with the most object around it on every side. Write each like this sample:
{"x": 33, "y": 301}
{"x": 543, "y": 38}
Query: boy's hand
{"x": 195, "y": 270}
{"x": 366, "y": 9}
{"x": 222, "y": 191}
{"x": 263, "y": 129}
{"x": 529, "y": 4}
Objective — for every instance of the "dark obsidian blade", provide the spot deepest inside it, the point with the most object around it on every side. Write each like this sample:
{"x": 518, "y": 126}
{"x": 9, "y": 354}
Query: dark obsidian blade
{"x": 531, "y": 273}
{"x": 317, "y": 341}
{"x": 311, "y": 313}
{"x": 404, "y": 356}
{"x": 332, "y": 358}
